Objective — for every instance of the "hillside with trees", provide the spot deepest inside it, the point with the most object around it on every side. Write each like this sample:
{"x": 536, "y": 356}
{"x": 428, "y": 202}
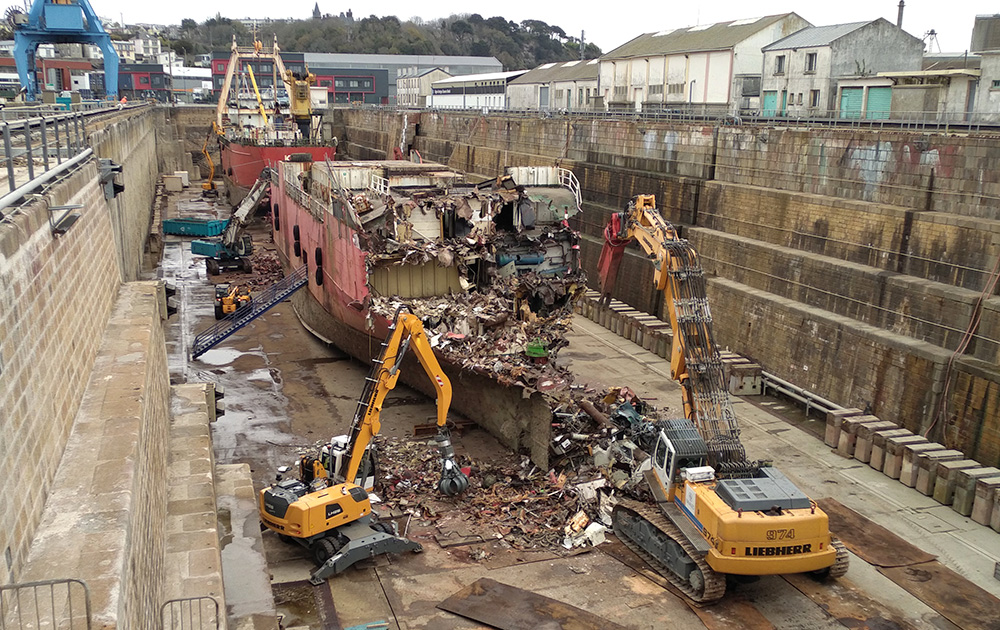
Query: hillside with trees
{"x": 517, "y": 46}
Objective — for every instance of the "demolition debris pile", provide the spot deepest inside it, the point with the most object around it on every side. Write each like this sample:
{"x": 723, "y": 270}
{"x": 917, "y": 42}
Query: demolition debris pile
{"x": 516, "y": 505}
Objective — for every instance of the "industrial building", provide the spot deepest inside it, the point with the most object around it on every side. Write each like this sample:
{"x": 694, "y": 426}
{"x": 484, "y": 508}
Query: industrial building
{"x": 709, "y": 68}
{"x": 566, "y": 85}
{"x": 805, "y": 73}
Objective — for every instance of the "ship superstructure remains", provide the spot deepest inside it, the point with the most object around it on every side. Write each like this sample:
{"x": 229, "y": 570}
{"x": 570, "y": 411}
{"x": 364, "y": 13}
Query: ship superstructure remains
{"x": 491, "y": 267}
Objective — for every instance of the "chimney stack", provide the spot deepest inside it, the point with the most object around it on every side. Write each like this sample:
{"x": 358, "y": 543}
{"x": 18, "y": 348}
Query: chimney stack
{"x": 899, "y": 16}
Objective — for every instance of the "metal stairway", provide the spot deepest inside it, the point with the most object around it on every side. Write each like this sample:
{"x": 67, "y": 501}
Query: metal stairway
{"x": 259, "y": 304}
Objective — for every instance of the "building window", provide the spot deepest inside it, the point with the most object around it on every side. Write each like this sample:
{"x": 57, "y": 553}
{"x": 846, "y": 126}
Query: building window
{"x": 810, "y": 62}
{"x": 799, "y": 102}
{"x": 779, "y": 64}
{"x": 813, "y": 98}
{"x": 675, "y": 88}
{"x": 995, "y": 85}
{"x": 619, "y": 91}
{"x": 656, "y": 89}
{"x": 751, "y": 86}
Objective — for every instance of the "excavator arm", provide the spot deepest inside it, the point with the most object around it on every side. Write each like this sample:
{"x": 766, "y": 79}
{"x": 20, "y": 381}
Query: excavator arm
{"x": 694, "y": 356}
{"x": 238, "y": 220}
{"x": 406, "y": 331}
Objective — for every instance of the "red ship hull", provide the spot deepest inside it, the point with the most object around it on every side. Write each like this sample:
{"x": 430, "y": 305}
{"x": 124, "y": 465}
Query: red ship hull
{"x": 242, "y": 163}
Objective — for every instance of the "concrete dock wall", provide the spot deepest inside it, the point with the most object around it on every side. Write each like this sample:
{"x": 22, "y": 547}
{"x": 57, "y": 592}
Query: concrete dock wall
{"x": 56, "y": 297}
{"x": 104, "y": 517}
{"x": 849, "y": 261}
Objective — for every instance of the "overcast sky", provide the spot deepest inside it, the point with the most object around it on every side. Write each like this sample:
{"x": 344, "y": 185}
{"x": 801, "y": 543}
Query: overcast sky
{"x": 606, "y": 24}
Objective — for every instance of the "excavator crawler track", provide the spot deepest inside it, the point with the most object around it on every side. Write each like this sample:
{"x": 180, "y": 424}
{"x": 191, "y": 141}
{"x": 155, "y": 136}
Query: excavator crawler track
{"x": 624, "y": 518}
{"x": 839, "y": 568}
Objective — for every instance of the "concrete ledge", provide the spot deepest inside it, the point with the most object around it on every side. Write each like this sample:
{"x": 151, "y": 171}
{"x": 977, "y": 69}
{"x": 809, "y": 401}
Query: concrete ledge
{"x": 193, "y": 565}
{"x": 926, "y": 465}
{"x": 982, "y": 505}
{"x": 879, "y": 438}
{"x": 965, "y": 487}
{"x": 908, "y": 468}
{"x": 947, "y": 477}
{"x": 249, "y": 599}
{"x": 894, "y": 453}
{"x": 849, "y": 433}
{"x": 103, "y": 521}
{"x": 833, "y": 424}
{"x": 865, "y": 438}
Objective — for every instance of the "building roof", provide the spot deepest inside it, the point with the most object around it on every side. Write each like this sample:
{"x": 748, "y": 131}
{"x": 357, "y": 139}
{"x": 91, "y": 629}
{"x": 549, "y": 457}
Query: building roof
{"x": 422, "y": 73}
{"x": 951, "y": 61}
{"x": 814, "y": 36}
{"x": 579, "y": 70}
{"x": 402, "y": 60}
{"x": 955, "y": 72}
{"x": 720, "y": 36}
{"x": 489, "y": 76}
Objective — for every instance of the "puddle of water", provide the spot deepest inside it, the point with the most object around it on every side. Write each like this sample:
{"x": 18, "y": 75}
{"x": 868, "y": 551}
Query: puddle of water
{"x": 260, "y": 375}
{"x": 221, "y": 356}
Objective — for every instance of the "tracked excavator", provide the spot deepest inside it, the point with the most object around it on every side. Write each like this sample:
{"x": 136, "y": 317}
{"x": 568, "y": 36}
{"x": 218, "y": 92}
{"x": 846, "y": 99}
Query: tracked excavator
{"x": 233, "y": 248}
{"x": 327, "y": 509}
{"x": 716, "y": 512}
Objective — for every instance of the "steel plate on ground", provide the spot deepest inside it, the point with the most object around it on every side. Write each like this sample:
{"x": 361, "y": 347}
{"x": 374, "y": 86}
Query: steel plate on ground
{"x": 731, "y": 612}
{"x": 848, "y": 605}
{"x": 871, "y": 542}
{"x": 510, "y": 608}
{"x": 956, "y": 598}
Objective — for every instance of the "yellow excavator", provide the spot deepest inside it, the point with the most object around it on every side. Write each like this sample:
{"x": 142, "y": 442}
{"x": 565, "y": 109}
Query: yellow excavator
{"x": 716, "y": 512}
{"x": 327, "y": 509}
{"x": 230, "y": 298}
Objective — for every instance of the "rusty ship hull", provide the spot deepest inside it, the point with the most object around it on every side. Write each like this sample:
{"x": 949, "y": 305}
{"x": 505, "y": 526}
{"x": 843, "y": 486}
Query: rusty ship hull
{"x": 498, "y": 259}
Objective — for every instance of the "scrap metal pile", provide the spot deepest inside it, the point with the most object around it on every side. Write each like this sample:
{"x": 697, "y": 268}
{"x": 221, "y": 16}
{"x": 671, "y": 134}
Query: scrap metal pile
{"x": 511, "y": 291}
{"x": 510, "y": 502}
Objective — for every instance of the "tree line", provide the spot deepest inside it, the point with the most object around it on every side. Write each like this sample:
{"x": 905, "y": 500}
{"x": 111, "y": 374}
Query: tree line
{"x": 518, "y": 46}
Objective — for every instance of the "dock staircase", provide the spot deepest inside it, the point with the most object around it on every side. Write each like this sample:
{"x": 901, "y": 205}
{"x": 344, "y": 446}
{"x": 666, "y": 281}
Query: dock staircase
{"x": 259, "y": 304}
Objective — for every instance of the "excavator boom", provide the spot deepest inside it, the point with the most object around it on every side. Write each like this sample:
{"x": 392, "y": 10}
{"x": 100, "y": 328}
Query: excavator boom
{"x": 406, "y": 331}
{"x": 694, "y": 359}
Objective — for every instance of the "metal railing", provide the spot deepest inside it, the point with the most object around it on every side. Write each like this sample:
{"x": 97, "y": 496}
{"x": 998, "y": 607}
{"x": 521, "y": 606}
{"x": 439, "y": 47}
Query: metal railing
{"x": 569, "y": 180}
{"x": 190, "y": 613}
{"x": 45, "y": 139}
{"x": 259, "y": 304}
{"x": 809, "y": 399}
{"x": 723, "y": 115}
{"x": 63, "y": 604}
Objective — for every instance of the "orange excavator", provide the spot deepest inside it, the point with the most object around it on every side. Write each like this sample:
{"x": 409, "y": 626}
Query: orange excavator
{"x": 327, "y": 509}
{"x": 716, "y": 512}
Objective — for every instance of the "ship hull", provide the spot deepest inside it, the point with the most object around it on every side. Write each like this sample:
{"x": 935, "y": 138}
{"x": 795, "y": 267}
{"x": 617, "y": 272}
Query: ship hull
{"x": 243, "y": 162}
{"x": 335, "y": 310}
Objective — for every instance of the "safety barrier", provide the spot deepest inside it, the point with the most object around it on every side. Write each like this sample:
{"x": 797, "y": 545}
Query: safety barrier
{"x": 63, "y": 604}
{"x": 190, "y": 613}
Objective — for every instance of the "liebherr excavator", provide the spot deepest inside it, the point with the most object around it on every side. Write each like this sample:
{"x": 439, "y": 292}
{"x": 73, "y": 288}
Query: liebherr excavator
{"x": 327, "y": 509}
{"x": 716, "y": 511}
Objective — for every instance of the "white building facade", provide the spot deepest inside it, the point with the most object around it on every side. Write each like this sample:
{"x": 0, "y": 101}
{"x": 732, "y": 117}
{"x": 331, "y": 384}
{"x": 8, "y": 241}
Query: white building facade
{"x": 713, "y": 68}
{"x": 566, "y": 85}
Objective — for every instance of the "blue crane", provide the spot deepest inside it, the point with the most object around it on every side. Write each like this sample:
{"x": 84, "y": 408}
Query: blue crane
{"x": 61, "y": 22}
